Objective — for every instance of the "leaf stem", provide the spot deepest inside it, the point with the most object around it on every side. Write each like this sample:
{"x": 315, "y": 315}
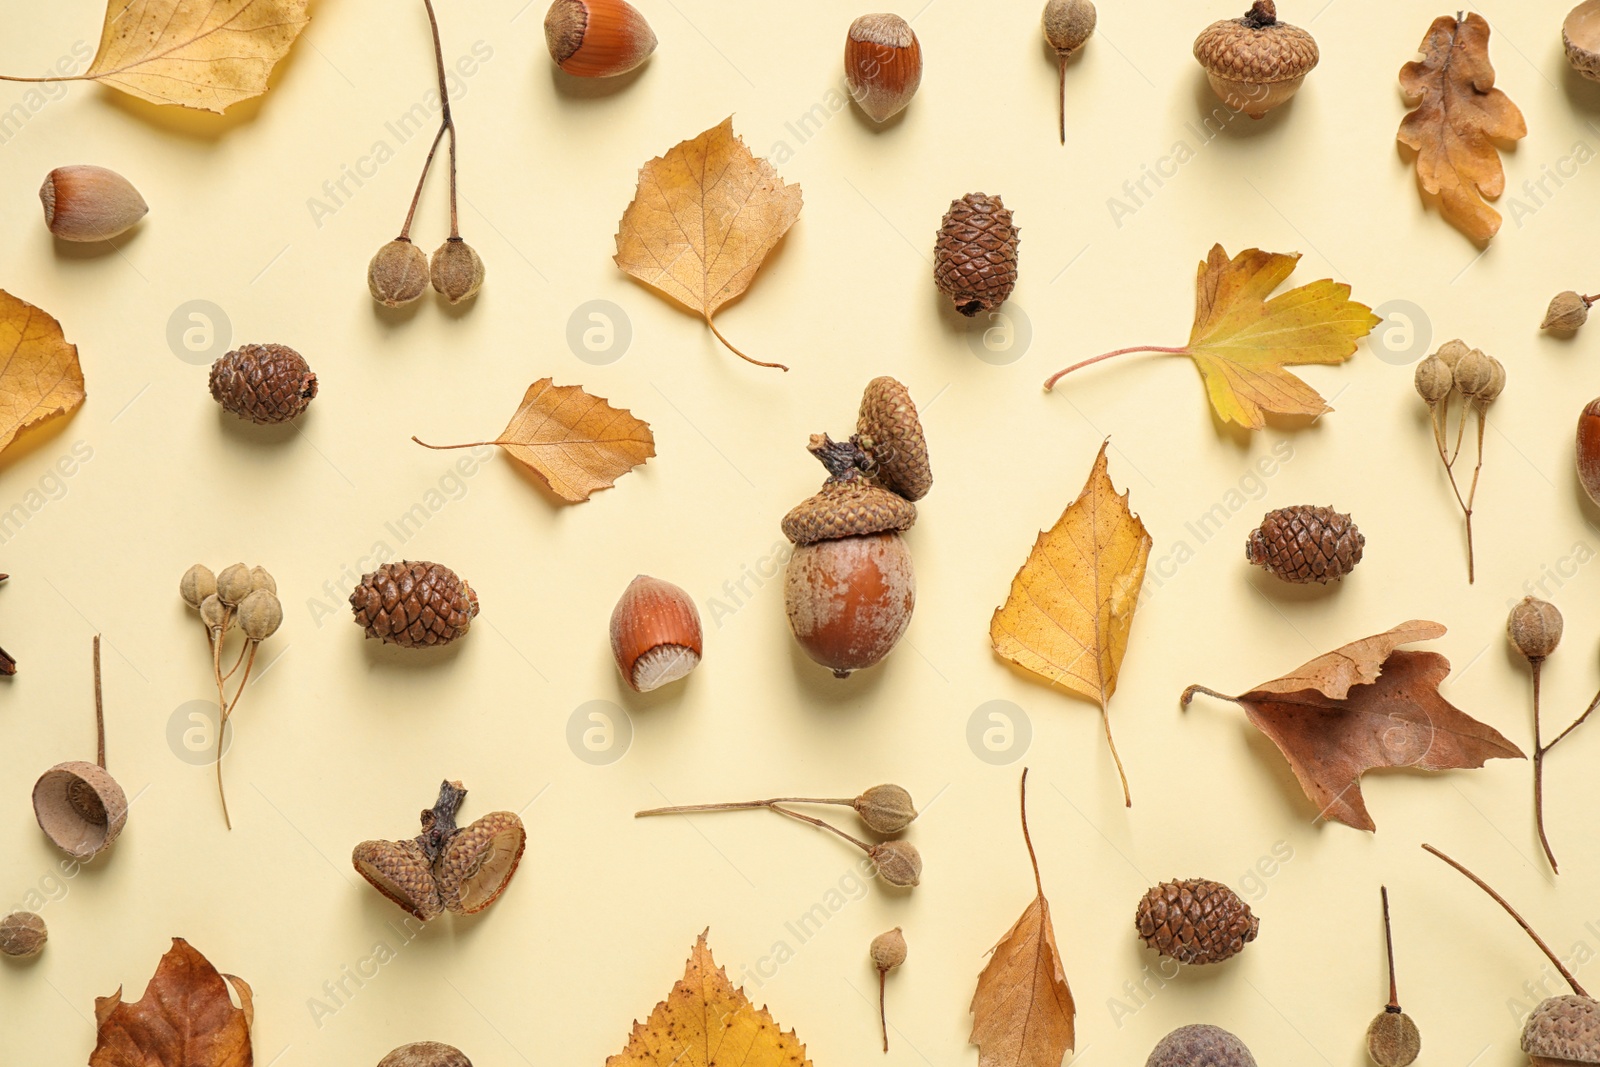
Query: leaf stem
{"x": 1027, "y": 838}
{"x": 1049, "y": 383}
{"x": 730, "y": 347}
{"x": 1498, "y": 899}
{"x": 1188, "y": 695}
{"x": 446, "y": 448}
{"x": 1388, "y": 944}
{"x": 1105, "y": 717}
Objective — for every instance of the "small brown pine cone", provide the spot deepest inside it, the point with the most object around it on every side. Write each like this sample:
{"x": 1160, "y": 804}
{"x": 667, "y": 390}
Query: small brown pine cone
{"x": 1306, "y": 544}
{"x": 1195, "y": 921}
{"x": 263, "y": 383}
{"x": 414, "y": 605}
{"x": 975, "y": 256}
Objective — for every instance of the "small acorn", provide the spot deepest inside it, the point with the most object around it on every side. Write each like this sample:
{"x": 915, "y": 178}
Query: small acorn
{"x": 1588, "y": 450}
{"x": 882, "y": 64}
{"x": 1255, "y": 62}
{"x": 22, "y": 935}
{"x": 1067, "y": 25}
{"x": 1568, "y": 310}
{"x": 84, "y": 203}
{"x": 457, "y": 270}
{"x": 1580, "y": 37}
{"x": 597, "y": 38}
{"x": 398, "y": 273}
{"x": 655, "y": 634}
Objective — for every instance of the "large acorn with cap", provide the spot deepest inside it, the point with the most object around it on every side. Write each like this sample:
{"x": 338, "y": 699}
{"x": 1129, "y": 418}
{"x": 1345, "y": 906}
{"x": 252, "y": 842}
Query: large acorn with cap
{"x": 849, "y": 589}
{"x": 1255, "y": 62}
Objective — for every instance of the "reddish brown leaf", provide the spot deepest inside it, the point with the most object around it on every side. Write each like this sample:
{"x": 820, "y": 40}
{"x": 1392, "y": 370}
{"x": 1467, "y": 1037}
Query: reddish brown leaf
{"x": 184, "y": 1019}
{"x": 1367, "y": 705}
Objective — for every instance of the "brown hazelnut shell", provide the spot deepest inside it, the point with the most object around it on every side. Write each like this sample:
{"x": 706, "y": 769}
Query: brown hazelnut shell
{"x": 1588, "y": 450}
{"x": 882, "y": 64}
{"x": 655, "y": 633}
{"x": 597, "y": 38}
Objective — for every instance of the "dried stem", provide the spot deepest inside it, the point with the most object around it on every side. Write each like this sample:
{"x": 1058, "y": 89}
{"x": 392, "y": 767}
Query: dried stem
{"x": 99, "y": 709}
{"x": 730, "y": 347}
{"x": 739, "y": 805}
{"x": 883, "y": 1014}
{"x": 1498, "y": 899}
{"x": 1027, "y": 838}
{"x": 447, "y": 123}
{"x": 1188, "y": 695}
{"x": 1541, "y": 750}
{"x": 1388, "y": 944}
{"x": 1050, "y": 382}
{"x": 1061, "y": 65}
{"x": 1105, "y": 718}
{"x": 1441, "y": 429}
{"x": 862, "y": 845}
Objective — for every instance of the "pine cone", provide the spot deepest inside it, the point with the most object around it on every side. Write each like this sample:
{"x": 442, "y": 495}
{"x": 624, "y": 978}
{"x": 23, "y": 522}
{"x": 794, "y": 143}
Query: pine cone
{"x": 414, "y": 605}
{"x": 1195, "y": 921}
{"x": 263, "y": 383}
{"x": 1306, "y": 544}
{"x": 975, "y": 257}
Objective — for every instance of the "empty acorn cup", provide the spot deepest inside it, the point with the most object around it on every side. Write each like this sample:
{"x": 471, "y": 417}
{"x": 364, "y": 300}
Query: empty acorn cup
{"x": 79, "y": 806}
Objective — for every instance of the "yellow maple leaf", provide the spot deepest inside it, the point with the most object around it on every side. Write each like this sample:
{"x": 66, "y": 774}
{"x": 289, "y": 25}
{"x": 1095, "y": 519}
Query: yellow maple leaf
{"x": 702, "y": 222}
{"x": 1071, "y": 606}
{"x": 576, "y": 442}
{"x": 1241, "y": 340}
{"x": 705, "y": 1020}
{"x": 39, "y": 372}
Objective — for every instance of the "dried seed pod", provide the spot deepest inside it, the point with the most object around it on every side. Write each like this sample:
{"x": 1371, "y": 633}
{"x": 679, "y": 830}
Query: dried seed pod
{"x": 426, "y": 1054}
{"x": 1588, "y": 449}
{"x": 1255, "y": 62}
{"x": 882, "y": 64}
{"x": 898, "y": 862}
{"x": 1434, "y": 379}
{"x": 196, "y": 584}
{"x": 260, "y": 615}
{"x": 888, "y": 951}
{"x": 597, "y": 38}
{"x": 1473, "y": 372}
{"x": 1451, "y": 352}
{"x": 457, "y": 270}
{"x": 1568, "y": 310}
{"x": 264, "y": 384}
{"x": 1200, "y": 1045}
{"x": 655, "y": 633}
{"x": 1068, "y": 25}
{"x": 23, "y": 934}
{"x": 233, "y": 584}
{"x": 214, "y": 614}
{"x": 975, "y": 255}
{"x": 885, "y": 809}
{"x": 1534, "y": 627}
{"x": 1491, "y": 390}
{"x": 1392, "y": 1038}
{"x": 1195, "y": 921}
{"x": 78, "y": 805}
{"x": 398, "y": 273}
{"x": 260, "y": 579}
{"x": 84, "y": 203}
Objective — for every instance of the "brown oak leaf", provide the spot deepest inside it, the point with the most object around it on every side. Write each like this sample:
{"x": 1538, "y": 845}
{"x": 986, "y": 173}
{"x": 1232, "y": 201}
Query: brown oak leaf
{"x": 1457, "y": 118}
{"x": 577, "y": 443}
{"x": 1367, "y": 704}
{"x": 702, "y": 222}
{"x": 184, "y": 1019}
{"x": 39, "y": 372}
{"x": 706, "y": 1022}
{"x": 1022, "y": 1011}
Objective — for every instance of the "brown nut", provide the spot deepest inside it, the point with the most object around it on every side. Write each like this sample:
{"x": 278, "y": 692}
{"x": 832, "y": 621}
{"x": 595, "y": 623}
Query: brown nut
{"x": 1589, "y": 449}
{"x": 655, "y": 633}
{"x": 83, "y": 203}
{"x": 882, "y": 64}
{"x": 597, "y": 38}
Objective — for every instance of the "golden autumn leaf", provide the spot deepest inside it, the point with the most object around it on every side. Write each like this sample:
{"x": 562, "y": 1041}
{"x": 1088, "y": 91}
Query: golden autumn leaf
{"x": 702, "y": 222}
{"x": 1364, "y": 705}
{"x": 1071, "y": 605}
{"x": 1241, "y": 341}
{"x": 184, "y": 1019}
{"x": 39, "y": 373}
{"x": 1023, "y": 1014}
{"x": 1457, "y": 118}
{"x": 577, "y": 443}
{"x": 706, "y": 1022}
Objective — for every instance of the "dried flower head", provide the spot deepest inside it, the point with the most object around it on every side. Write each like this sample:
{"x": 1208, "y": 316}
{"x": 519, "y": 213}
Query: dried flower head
{"x": 457, "y": 270}
{"x": 260, "y": 579}
{"x": 1534, "y": 627}
{"x": 1567, "y": 311}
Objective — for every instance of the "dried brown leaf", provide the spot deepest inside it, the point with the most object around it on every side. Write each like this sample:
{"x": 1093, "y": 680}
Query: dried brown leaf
{"x": 1457, "y": 118}
{"x": 1364, "y": 705}
{"x": 184, "y": 1019}
{"x": 39, "y": 373}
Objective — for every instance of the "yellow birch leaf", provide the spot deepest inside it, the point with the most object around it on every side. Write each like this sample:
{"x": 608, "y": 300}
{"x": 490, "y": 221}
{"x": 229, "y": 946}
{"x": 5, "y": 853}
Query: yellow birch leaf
{"x": 576, "y": 442}
{"x": 702, "y": 222}
{"x": 1071, "y": 605}
{"x": 1242, "y": 341}
{"x": 207, "y": 55}
{"x": 705, "y": 1021}
{"x": 39, "y": 373}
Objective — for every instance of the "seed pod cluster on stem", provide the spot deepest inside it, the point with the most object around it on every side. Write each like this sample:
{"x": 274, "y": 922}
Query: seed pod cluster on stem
{"x": 1470, "y": 380}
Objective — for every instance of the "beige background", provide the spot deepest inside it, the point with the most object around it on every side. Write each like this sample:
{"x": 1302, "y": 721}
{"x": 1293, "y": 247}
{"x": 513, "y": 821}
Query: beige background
{"x": 342, "y": 740}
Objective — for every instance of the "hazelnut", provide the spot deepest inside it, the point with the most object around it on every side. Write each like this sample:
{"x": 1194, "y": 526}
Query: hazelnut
{"x": 457, "y": 270}
{"x": 1589, "y": 449}
{"x": 882, "y": 64}
{"x": 655, "y": 634}
{"x": 83, "y": 203}
{"x": 1255, "y": 62}
{"x": 597, "y": 38}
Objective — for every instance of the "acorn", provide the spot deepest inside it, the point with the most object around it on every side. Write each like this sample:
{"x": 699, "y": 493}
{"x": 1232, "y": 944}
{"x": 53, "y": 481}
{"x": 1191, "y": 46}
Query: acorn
{"x": 457, "y": 270}
{"x": 597, "y": 38}
{"x": 1255, "y": 62}
{"x": 1580, "y": 37}
{"x": 426, "y": 1054}
{"x": 655, "y": 634}
{"x": 1200, "y": 1045}
{"x": 84, "y": 203}
{"x": 1588, "y": 451}
{"x": 398, "y": 273}
{"x": 882, "y": 64}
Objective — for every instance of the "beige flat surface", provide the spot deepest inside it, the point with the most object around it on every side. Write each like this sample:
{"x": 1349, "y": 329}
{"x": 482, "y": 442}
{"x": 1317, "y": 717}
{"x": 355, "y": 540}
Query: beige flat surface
{"x": 342, "y": 740}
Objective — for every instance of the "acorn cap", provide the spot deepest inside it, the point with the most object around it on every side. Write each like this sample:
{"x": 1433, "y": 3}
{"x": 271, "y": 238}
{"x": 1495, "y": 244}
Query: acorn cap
{"x": 892, "y": 435}
{"x": 848, "y": 508}
{"x": 1256, "y": 48}
{"x": 1565, "y": 1029}
{"x": 1580, "y": 37}
{"x": 400, "y": 871}
{"x": 80, "y": 807}
{"x": 477, "y": 864}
